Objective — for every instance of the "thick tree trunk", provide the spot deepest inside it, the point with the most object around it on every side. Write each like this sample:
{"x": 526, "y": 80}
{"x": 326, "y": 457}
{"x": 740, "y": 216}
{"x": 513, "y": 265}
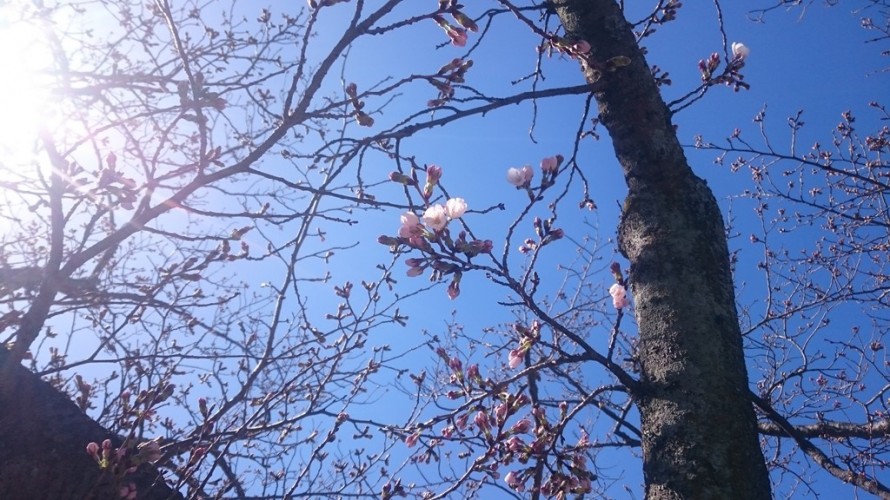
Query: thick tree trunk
{"x": 43, "y": 439}
{"x": 699, "y": 429}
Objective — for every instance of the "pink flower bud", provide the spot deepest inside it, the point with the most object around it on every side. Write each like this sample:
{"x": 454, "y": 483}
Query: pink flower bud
{"x": 461, "y": 422}
{"x": 93, "y": 450}
{"x": 521, "y": 427}
{"x": 515, "y": 358}
{"x": 481, "y": 421}
{"x": 515, "y": 444}
{"x": 454, "y": 288}
{"x": 514, "y": 481}
{"x": 411, "y": 439}
{"x": 455, "y": 364}
{"x": 433, "y": 174}
{"x": 549, "y": 164}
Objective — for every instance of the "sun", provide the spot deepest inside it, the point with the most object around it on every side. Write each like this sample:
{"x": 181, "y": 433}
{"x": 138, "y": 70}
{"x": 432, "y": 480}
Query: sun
{"x": 26, "y": 60}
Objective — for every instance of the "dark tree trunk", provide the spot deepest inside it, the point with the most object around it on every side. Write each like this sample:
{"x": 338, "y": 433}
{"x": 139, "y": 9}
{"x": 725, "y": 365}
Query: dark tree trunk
{"x": 43, "y": 439}
{"x": 699, "y": 428}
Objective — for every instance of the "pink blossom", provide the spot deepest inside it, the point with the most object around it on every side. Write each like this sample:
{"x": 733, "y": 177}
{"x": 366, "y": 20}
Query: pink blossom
{"x": 93, "y": 450}
{"x": 410, "y": 226}
{"x": 515, "y": 177}
{"x": 455, "y": 364}
{"x": 527, "y": 173}
{"x": 414, "y": 272}
{"x": 411, "y": 439}
{"x": 433, "y": 174}
{"x": 481, "y": 420}
{"x": 435, "y": 217}
{"x": 515, "y": 444}
{"x": 461, "y": 421}
{"x": 740, "y": 51}
{"x": 500, "y": 412}
{"x": 514, "y": 481}
{"x": 458, "y": 36}
{"x": 521, "y": 427}
{"x": 515, "y": 358}
{"x": 520, "y": 176}
{"x": 549, "y": 164}
{"x": 619, "y": 296}
{"x": 453, "y": 289}
{"x": 455, "y": 208}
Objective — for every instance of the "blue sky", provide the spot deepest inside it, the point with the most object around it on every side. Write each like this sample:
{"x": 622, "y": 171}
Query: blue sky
{"x": 814, "y": 60}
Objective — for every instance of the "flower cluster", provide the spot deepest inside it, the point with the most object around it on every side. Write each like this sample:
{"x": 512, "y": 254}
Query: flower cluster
{"x": 420, "y": 232}
{"x": 436, "y": 217}
{"x": 457, "y": 34}
{"x": 511, "y": 438}
{"x": 730, "y": 76}
{"x": 522, "y": 177}
{"x": 618, "y": 291}
{"x": 123, "y": 461}
{"x": 575, "y": 478}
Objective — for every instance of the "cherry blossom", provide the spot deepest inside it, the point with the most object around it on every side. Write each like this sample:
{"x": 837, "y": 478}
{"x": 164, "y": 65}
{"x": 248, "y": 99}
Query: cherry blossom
{"x": 454, "y": 288}
{"x": 410, "y": 225}
{"x": 549, "y": 164}
{"x": 481, "y": 420}
{"x": 740, "y": 51}
{"x": 513, "y": 481}
{"x": 411, "y": 439}
{"x": 515, "y": 358}
{"x": 619, "y": 296}
{"x": 521, "y": 427}
{"x": 435, "y": 217}
{"x": 455, "y": 208}
{"x": 520, "y": 177}
{"x": 458, "y": 37}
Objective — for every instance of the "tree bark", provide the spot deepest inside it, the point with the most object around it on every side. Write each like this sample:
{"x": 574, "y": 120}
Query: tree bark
{"x": 699, "y": 428}
{"x": 43, "y": 439}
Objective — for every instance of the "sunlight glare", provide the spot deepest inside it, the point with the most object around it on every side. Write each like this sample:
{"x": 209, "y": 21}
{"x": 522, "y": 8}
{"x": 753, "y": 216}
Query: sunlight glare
{"x": 25, "y": 95}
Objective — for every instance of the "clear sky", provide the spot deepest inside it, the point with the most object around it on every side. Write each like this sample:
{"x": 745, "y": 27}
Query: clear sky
{"x": 813, "y": 59}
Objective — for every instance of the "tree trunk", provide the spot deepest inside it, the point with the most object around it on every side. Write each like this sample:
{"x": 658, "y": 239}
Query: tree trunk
{"x": 699, "y": 428}
{"x": 43, "y": 439}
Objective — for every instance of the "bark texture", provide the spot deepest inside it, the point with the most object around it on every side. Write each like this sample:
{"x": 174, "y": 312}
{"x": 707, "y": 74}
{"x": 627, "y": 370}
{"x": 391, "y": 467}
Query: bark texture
{"x": 43, "y": 438}
{"x": 699, "y": 428}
